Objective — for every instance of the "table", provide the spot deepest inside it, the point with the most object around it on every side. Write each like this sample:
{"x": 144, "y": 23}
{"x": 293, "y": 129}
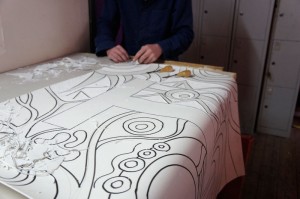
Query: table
{"x": 83, "y": 127}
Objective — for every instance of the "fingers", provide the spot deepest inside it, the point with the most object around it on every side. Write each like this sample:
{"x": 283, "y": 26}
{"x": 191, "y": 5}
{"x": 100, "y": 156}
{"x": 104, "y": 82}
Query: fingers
{"x": 148, "y": 54}
{"x": 117, "y": 54}
{"x": 147, "y": 58}
{"x": 139, "y": 54}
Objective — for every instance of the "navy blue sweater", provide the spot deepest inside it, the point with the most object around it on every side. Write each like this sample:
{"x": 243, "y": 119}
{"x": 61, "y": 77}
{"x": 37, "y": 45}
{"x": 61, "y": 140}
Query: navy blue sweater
{"x": 166, "y": 22}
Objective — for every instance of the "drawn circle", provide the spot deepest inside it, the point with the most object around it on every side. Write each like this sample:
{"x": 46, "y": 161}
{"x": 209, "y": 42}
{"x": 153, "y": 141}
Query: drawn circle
{"x": 117, "y": 184}
{"x": 182, "y": 94}
{"x": 143, "y": 126}
{"x": 132, "y": 164}
{"x": 147, "y": 154}
{"x": 161, "y": 146}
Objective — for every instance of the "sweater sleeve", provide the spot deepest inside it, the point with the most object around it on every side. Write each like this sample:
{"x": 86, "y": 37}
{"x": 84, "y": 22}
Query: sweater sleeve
{"x": 182, "y": 33}
{"x": 107, "y": 27}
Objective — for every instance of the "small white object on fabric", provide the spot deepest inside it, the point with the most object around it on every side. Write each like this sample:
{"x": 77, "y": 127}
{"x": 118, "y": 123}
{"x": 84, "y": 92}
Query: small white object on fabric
{"x": 54, "y": 69}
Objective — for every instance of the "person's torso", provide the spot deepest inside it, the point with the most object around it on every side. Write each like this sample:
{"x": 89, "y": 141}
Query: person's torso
{"x": 145, "y": 22}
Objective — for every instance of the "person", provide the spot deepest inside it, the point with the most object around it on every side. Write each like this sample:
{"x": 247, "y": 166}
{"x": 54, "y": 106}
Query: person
{"x": 151, "y": 29}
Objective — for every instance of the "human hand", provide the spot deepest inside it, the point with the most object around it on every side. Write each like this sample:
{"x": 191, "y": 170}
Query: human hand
{"x": 117, "y": 54}
{"x": 148, "y": 54}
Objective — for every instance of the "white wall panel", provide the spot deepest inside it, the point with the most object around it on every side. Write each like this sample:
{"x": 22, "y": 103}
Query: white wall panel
{"x": 39, "y": 30}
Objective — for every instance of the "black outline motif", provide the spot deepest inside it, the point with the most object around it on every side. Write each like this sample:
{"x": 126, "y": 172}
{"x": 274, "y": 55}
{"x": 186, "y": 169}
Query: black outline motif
{"x": 119, "y": 152}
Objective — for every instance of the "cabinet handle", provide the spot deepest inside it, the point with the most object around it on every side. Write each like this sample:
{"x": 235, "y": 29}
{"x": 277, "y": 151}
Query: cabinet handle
{"x": 205, "y": 11}
{"x": 202, "y": 57}
{"x": 281, "y": 14}
{"x": 241, "y": 14}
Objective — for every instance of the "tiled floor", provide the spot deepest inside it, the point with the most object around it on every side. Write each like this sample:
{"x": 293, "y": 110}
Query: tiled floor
{"x": 273, "y": 170}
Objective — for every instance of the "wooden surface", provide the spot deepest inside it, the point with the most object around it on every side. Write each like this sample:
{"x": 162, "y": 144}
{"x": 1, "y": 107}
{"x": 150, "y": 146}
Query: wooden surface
{"x": 273, "y": 170}
{"x": 193, "y": 65}
{"x": 218, "y": 69}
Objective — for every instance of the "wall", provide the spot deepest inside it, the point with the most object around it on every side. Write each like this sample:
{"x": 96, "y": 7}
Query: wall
{"x": 34, "y": 31}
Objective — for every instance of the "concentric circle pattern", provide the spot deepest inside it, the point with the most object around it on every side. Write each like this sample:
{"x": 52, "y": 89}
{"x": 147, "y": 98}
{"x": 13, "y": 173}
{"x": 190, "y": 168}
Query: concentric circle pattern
{"x": 182, "y": 95}
{"x": 161, "y": 146}
{"x": 117, "y": 184}
{"x": 132, "y": 164}
{"x": 143, "y": 126}
{"x": 147, "y": 154}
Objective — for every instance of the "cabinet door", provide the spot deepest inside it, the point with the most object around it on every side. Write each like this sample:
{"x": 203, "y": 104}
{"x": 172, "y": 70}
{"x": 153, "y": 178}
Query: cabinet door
{"x": 217, "y": 17}
{"x": 214, "y": 51}
{"x": 247, "y": 96}
{"x": 275, "y": 112}
{"x": 254, "y": 18}
{"x": 193, "y": 53}
{"x": 248, "y": 61}
{"x": 288, "y": 20}
{"x": 284, "y": 64}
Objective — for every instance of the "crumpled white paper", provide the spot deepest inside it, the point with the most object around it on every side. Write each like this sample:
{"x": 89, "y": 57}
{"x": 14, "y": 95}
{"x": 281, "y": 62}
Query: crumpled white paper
{"x": 55, "y": 68}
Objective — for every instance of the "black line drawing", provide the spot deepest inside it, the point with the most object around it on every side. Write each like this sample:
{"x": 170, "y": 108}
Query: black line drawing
{"x": 64, "y": 141}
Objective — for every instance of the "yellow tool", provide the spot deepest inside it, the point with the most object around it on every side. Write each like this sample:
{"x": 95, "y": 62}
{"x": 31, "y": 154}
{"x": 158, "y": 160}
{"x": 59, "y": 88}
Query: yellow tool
{"x": 185, "y": 73}
{"x": 167, "y": 68}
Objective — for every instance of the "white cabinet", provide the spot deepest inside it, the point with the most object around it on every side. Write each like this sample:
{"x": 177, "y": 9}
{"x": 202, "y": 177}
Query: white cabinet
{"x": 217, "y": 22}
{"x": 281, "y": 85}
{"x": 247, "y": 100}
{"x": 213, "y": 20}
{"x": 275, "y": 114}
{"x": 248, "y": 60}
{"x": 237, "y": 34}
{"x": 249, "y": 48}
{"x": 214, "y": 50}
{"x": 288, "y": 21}
{"x": 254, "y": 18}
{"x": 284, "y": 64}
{"x": 217, "y": 17}
{"x": 281, "y": 89}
